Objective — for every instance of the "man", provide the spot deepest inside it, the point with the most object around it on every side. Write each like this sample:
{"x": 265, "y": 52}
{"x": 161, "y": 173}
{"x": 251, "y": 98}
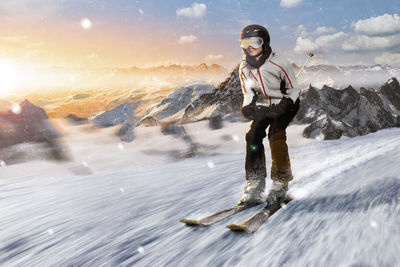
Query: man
{"x": 271, "y": 98}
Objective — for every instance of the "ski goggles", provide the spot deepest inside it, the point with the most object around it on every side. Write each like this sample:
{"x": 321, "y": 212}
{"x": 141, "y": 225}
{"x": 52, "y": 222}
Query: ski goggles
{"x": 255, "y": 42}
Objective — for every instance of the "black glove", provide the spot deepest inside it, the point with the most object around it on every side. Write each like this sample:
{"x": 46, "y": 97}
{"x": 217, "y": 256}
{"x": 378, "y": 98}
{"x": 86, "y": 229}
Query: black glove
{"x": 250, "y": 111}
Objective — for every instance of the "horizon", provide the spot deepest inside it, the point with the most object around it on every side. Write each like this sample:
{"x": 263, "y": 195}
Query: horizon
{"x": 309, "y": 65}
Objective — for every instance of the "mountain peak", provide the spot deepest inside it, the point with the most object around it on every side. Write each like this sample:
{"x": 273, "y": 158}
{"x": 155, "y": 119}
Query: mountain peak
{"x": 25, "y": 103}
{"x": 393, "y": 82}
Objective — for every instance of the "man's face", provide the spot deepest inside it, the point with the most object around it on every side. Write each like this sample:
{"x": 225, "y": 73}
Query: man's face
{"x": 252, "y": 51}
{"x": 253, "y": 45}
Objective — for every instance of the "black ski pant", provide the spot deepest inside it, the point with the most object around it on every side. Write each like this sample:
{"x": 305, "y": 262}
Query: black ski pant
{"x": 255, "y": 155}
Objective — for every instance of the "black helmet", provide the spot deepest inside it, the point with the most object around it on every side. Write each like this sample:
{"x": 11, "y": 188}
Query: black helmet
{"x": 255, "y": 30}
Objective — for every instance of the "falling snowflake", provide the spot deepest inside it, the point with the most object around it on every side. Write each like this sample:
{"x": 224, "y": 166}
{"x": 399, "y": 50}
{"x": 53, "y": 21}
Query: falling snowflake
{"x": 373, "y": 224}
{"x": 121, "y": 146}
{"x": 210, "y": 164}
{"x": 141, "y": 11}
{"x": 16, "y": 109}
{"x": 235, "y": 138}
{"x": 50, "y": 231}
{"x": 2, "y": 163}
{"x": 72, "y": 78}
{"x": 84, "y": 163}
{"x": 122, "y": 190}
{"x": 140, "y": 250}
{"x": 86, "y": 23}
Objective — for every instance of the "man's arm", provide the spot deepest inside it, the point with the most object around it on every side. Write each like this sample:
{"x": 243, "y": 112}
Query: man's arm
{"x": 249, "y": 97}
{"x": 292, "y": 88}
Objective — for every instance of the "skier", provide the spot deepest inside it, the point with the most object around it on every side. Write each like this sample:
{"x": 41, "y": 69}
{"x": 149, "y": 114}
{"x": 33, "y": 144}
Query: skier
{"x": 271, "y": 98}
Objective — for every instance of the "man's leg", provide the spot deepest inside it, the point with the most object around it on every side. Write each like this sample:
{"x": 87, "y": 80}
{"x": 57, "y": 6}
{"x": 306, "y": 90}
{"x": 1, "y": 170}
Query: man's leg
{"x": 280, "y": 169}
{"x": 281, "y": 172}
{"x": 255, "y": 164}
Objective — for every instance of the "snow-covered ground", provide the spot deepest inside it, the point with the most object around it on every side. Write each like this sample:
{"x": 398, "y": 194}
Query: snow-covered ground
{"x": 119, "y": 204}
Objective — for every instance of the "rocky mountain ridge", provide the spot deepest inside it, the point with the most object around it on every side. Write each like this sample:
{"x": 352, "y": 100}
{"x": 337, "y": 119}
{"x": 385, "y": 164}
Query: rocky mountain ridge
{"x": 329, "y": 112}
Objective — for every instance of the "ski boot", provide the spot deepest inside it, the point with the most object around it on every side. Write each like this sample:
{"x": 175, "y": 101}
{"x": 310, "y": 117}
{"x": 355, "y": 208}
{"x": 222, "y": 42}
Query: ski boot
{"x": 253, "y": 193}
{"x": 278, "y": 194}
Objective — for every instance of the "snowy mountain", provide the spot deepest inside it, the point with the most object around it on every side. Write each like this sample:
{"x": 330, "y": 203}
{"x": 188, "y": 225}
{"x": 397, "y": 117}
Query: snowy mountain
{"x": 333, "y": 113}
{"x": 346, "y": 211}
{"x": 27, "y": 123}
{"x": 174, "y": 68}
{"x": 329, "y": 112}
{"x": 225, "y": 101}
{"x": 168, "y": 111}
{"x": 341, "y": 77}
{"x": 364, "y": 109}
{"x": 123, "y": 115}
{"x": 173, "y": 107}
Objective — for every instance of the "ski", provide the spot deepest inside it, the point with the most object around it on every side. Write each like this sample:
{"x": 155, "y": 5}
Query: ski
{"x": 252, "y": 224}
{"x": 216, "y": 217}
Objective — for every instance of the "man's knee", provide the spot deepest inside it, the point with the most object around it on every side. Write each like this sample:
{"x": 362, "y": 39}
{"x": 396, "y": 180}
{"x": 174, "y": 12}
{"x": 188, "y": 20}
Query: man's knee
{"x": 254, "y": 137}
{"x": 277, "y": 134}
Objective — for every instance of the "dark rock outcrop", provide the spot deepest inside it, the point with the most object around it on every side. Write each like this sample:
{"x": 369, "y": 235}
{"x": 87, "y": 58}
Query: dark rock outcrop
{"x": 28, "y": 123}
{"x": 123, "y": 115}
{"x": 75, "y": 120}
{"x": 334, "y": 113}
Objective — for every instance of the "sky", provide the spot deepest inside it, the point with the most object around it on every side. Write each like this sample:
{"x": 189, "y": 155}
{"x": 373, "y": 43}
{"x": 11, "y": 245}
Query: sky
{"x": 125, "y": 33}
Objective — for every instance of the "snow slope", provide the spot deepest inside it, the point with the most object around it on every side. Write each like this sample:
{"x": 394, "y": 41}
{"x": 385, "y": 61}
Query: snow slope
{"x": 126, "y": 213}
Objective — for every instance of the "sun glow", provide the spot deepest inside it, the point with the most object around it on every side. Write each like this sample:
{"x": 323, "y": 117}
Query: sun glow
{"x": 18, "y": 77}
{"x": 8, "y": 77}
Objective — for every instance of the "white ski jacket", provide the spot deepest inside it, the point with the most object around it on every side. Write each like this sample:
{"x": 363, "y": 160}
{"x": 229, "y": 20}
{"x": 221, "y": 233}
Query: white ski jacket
{"x": 266, "y": 81}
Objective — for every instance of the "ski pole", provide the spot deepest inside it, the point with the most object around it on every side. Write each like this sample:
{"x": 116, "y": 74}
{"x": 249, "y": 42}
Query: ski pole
{"x": 302, "y": 67}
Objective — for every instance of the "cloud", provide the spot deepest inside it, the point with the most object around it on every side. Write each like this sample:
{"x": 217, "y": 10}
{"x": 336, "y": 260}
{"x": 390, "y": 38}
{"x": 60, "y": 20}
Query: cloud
{"x": 196, "y": 11}
{"x": 357, "y": 43}
{"x": 318, "y": 60}
{"x": 214, "y": 57}
{"x": 378, "y": 26}
{"x": 187, "y": 39}
{"x": 375, "y": 34}
{"x": 19, "y": 46}
{"x": 324, "y": 30}
{"x": 388, "y": 58}
{"x": 30, "y": 8}
{"x": 301, "y": 30}
{"x": 324, "y": 43}
{"x": 13, "y": 40}
{"x": 291, "y": 3}
{"x": 305, "y": 45}
{"x": 373, "y": 40}
{"x": 347, "y": 42}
